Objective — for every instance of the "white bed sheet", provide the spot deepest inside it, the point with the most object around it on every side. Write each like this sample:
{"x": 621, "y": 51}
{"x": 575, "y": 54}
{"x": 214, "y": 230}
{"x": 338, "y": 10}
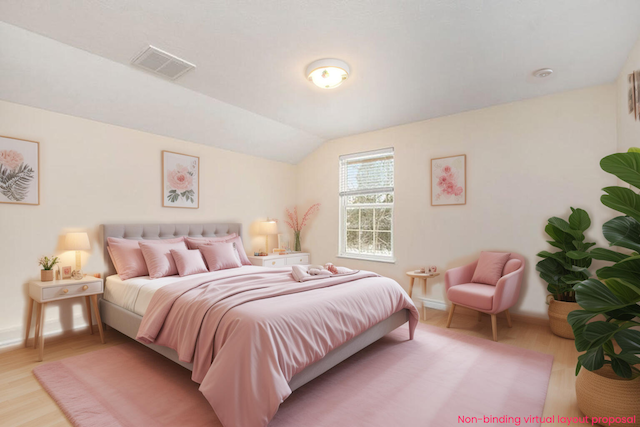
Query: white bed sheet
{"x": 135, "y": 294}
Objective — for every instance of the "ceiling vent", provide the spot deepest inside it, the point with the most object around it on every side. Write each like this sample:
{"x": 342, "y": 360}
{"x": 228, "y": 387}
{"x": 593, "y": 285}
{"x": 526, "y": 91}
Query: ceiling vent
{"x": 160, "y": 62}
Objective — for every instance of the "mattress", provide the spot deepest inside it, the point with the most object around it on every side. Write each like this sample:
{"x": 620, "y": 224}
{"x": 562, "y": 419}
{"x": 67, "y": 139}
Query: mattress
{"x": 135, "y": 294}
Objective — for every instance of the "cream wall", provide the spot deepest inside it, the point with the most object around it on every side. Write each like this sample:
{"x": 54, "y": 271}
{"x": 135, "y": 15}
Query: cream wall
{"x": 527, "y": 161}
{"x": 628, "y": 127}
{"x": 94, "y": 173}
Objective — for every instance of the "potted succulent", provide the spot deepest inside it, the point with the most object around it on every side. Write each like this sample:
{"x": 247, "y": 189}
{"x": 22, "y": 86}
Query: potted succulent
{"x": 564, "y": 269}
{"x": 607, "y": 329}
{"x": 47, "y": 264}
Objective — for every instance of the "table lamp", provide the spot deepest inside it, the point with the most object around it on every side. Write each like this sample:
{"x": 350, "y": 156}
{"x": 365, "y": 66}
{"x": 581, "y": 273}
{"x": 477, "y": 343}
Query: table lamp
{"x": 268, "y": 227}
{"x": 77, "y": 242}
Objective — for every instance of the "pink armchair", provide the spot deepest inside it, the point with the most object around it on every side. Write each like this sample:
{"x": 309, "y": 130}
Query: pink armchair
{"x": 483, "y": 298}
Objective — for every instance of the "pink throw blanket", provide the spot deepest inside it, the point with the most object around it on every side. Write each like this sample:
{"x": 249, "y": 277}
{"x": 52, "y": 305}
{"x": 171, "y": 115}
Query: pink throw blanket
{"x": 249, "y": 331}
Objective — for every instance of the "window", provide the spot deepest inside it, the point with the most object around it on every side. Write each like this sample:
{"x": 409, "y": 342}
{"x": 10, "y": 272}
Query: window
{"x": 366, "y": 205}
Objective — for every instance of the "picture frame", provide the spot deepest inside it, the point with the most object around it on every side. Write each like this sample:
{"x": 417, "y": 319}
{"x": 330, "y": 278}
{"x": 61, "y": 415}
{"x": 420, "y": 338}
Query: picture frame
{"x": 449, "y": 180}
{"x": 66, "y": 271}
{"x": 632, "y": 95}
{"x": 284, "y": 242}
{"x": 19, "y": 171}
{"x": 180, "y": 180}
{"x": 637, "y": 93}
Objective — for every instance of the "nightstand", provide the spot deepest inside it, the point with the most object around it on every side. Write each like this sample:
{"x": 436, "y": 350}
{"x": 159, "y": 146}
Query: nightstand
{"x": 296, "y": 258}
{"x": 43, "y": 293}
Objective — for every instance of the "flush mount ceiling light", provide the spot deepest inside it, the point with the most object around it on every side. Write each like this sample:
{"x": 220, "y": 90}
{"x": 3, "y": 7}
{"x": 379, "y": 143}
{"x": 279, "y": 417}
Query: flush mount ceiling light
{"x": 328, "y": 73}
{"x": 542, "y": 73}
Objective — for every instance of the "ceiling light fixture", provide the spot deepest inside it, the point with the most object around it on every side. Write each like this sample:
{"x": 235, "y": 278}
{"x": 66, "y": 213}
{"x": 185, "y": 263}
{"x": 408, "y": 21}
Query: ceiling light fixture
{"x": 328, "y": 73}
{"x": 542, "y": 73}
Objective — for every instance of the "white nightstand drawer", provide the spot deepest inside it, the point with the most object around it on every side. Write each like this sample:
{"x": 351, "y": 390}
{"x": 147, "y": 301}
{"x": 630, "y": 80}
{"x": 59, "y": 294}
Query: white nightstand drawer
{"x": 274, "y": 262}
{"x": 68, "y": 290}
{"x": 299, "y": 260}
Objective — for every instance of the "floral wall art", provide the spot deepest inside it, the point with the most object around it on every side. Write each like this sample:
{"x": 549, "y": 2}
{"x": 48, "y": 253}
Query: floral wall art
{"x": 449, "y": 180}
{"x": 19, "y": 171}
{"x": 180, "y": 180}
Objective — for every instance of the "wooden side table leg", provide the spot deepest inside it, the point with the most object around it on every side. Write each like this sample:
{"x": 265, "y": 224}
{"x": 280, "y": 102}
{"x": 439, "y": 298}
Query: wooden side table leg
{"x": 410, "y": 287}
{"x": 424, "y": 287}
{"x": 88, "y": 302}
{"x": 96, "y": 310}
{"x": 41, "y": 351}
{"x": 36, "y": 337}
{"x": 29, "y": 315}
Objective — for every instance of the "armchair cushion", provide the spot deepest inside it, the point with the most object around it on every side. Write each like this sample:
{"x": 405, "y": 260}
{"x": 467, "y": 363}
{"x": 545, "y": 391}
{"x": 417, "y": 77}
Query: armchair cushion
{"x": 490, "y": 266}
{"x": 472, "y": 295}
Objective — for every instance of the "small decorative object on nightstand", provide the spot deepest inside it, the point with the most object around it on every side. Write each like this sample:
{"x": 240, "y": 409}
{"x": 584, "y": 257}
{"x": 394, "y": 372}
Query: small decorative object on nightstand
{"x": 44, "y": 292}
{"x": 298, "y": 258}
{"x": 77, "y": 242}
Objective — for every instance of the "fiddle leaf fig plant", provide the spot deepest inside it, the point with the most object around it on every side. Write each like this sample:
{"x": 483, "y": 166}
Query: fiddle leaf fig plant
{"x": 615, "y": 294}
{"x": 562, "y": 270}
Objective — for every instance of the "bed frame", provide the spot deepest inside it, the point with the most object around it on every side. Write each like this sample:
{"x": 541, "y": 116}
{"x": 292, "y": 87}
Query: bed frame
{"x": 128, "y": 322}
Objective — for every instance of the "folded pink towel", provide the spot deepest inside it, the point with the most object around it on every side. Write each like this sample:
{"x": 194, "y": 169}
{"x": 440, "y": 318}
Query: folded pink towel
{"x": 302, "y": 273}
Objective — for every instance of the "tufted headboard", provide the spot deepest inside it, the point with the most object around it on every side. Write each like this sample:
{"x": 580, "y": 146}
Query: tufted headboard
{"x": 162, "y": 231}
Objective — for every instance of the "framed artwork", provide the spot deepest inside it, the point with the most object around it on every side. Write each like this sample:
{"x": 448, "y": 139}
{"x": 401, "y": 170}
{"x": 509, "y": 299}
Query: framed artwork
{"x": 66, "y": 271}
{"x": 180, "y": 180}
{"x": 637, "y": 93}
{"x": 19, "y": 171}
{"x": 449, "y": 180}
{"x": 283, "y": 241}
{"x": 632, "y": 95}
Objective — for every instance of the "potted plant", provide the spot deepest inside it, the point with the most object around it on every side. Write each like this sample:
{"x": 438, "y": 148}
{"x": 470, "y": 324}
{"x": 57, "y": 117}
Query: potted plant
{"x": 46, "y": 274}
{"x": 564, "y": 269}
{"x": 296, "y": 226}
{"x": 607, "y": 327}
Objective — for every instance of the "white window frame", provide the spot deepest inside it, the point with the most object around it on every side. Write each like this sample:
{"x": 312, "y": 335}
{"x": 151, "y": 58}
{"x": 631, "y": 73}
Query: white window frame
{"x": 343, "y": 197}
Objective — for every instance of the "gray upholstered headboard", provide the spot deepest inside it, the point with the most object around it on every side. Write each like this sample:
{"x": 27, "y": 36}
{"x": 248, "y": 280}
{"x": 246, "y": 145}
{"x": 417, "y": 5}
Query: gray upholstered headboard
{"x": 162, "y": 231}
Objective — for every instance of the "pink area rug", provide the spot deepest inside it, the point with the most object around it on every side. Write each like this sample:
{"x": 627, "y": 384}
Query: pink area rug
{"x": 430, "y": 381}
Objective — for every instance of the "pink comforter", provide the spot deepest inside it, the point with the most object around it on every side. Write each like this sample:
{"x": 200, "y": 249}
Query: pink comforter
{"x": 248, "y": 331}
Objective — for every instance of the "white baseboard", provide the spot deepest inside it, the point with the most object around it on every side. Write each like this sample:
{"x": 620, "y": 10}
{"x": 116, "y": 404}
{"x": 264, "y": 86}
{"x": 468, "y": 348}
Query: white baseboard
{"x": 11, "y": 338}
{"x": 431, "y": 303}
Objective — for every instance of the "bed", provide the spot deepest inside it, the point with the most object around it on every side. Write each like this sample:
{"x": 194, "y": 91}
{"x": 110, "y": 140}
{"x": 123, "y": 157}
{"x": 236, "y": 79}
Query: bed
{"x": 125, "y": 302}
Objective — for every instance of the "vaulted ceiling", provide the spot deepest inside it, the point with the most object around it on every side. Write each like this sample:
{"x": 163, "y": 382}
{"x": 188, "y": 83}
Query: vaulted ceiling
{"x": 410, "y": 60}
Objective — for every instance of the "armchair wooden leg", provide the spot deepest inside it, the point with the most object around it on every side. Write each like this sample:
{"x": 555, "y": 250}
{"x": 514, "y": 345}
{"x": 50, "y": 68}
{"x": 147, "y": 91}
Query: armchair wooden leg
{"x": 494, "y": 327}
{"x": 453, "y": 308}
{"x": 508, "y": 318}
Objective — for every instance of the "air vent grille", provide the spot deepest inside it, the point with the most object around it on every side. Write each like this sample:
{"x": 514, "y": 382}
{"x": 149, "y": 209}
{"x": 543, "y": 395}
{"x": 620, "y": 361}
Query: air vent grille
{"x": 160, "y": 62}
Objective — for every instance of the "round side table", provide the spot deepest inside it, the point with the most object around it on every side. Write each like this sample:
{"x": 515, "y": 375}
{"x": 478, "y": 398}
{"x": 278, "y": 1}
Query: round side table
{"x": 423, "y": 276}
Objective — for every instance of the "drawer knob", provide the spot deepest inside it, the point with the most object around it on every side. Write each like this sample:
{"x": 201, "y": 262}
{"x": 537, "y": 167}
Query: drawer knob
{"x": 273, "y": 263}
{"x": 85, "y": 287}
{"x": 65, "y": 290}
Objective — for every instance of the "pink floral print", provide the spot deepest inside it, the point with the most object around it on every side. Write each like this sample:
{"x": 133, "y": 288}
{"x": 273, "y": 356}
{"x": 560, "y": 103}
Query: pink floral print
{"x": 11, "y": 159}
{"x": 448, "y": 183}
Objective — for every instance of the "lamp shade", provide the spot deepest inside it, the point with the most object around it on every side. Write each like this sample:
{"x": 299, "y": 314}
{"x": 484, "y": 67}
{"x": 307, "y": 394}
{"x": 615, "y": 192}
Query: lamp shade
{"x": 77, "y": 242}
{"x": 269, "y": 227}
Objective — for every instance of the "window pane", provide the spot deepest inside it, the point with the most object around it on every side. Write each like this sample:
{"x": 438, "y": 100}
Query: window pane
{"x": 353, "y": 219}
{"x": 366, "y": 219}
{"x": 366, "y": 242}
{"x": 370, "y": 199}
{"x": 383, "y": 243}
{"x": 383, "y": 219}
{"x": 352, "y": 241}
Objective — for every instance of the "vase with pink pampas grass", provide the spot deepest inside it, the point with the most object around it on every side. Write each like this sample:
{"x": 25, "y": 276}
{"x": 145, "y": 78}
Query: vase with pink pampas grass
{"x": 296, "y": 226}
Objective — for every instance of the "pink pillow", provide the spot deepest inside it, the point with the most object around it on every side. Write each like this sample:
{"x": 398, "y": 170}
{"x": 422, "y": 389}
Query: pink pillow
{"x": 195, "y": 242}
{"x": 189, "y": 262}
{"x": 160, "y": 262}
{"x": 489, "y": 268}
{"x": 127, "y": 257}
{"x": 237, "y": 241}
{"x": 220, "y": 256}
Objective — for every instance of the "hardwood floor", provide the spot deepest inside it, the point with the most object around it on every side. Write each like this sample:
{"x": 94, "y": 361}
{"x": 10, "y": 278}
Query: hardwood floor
{"x": 23, "y": 402}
